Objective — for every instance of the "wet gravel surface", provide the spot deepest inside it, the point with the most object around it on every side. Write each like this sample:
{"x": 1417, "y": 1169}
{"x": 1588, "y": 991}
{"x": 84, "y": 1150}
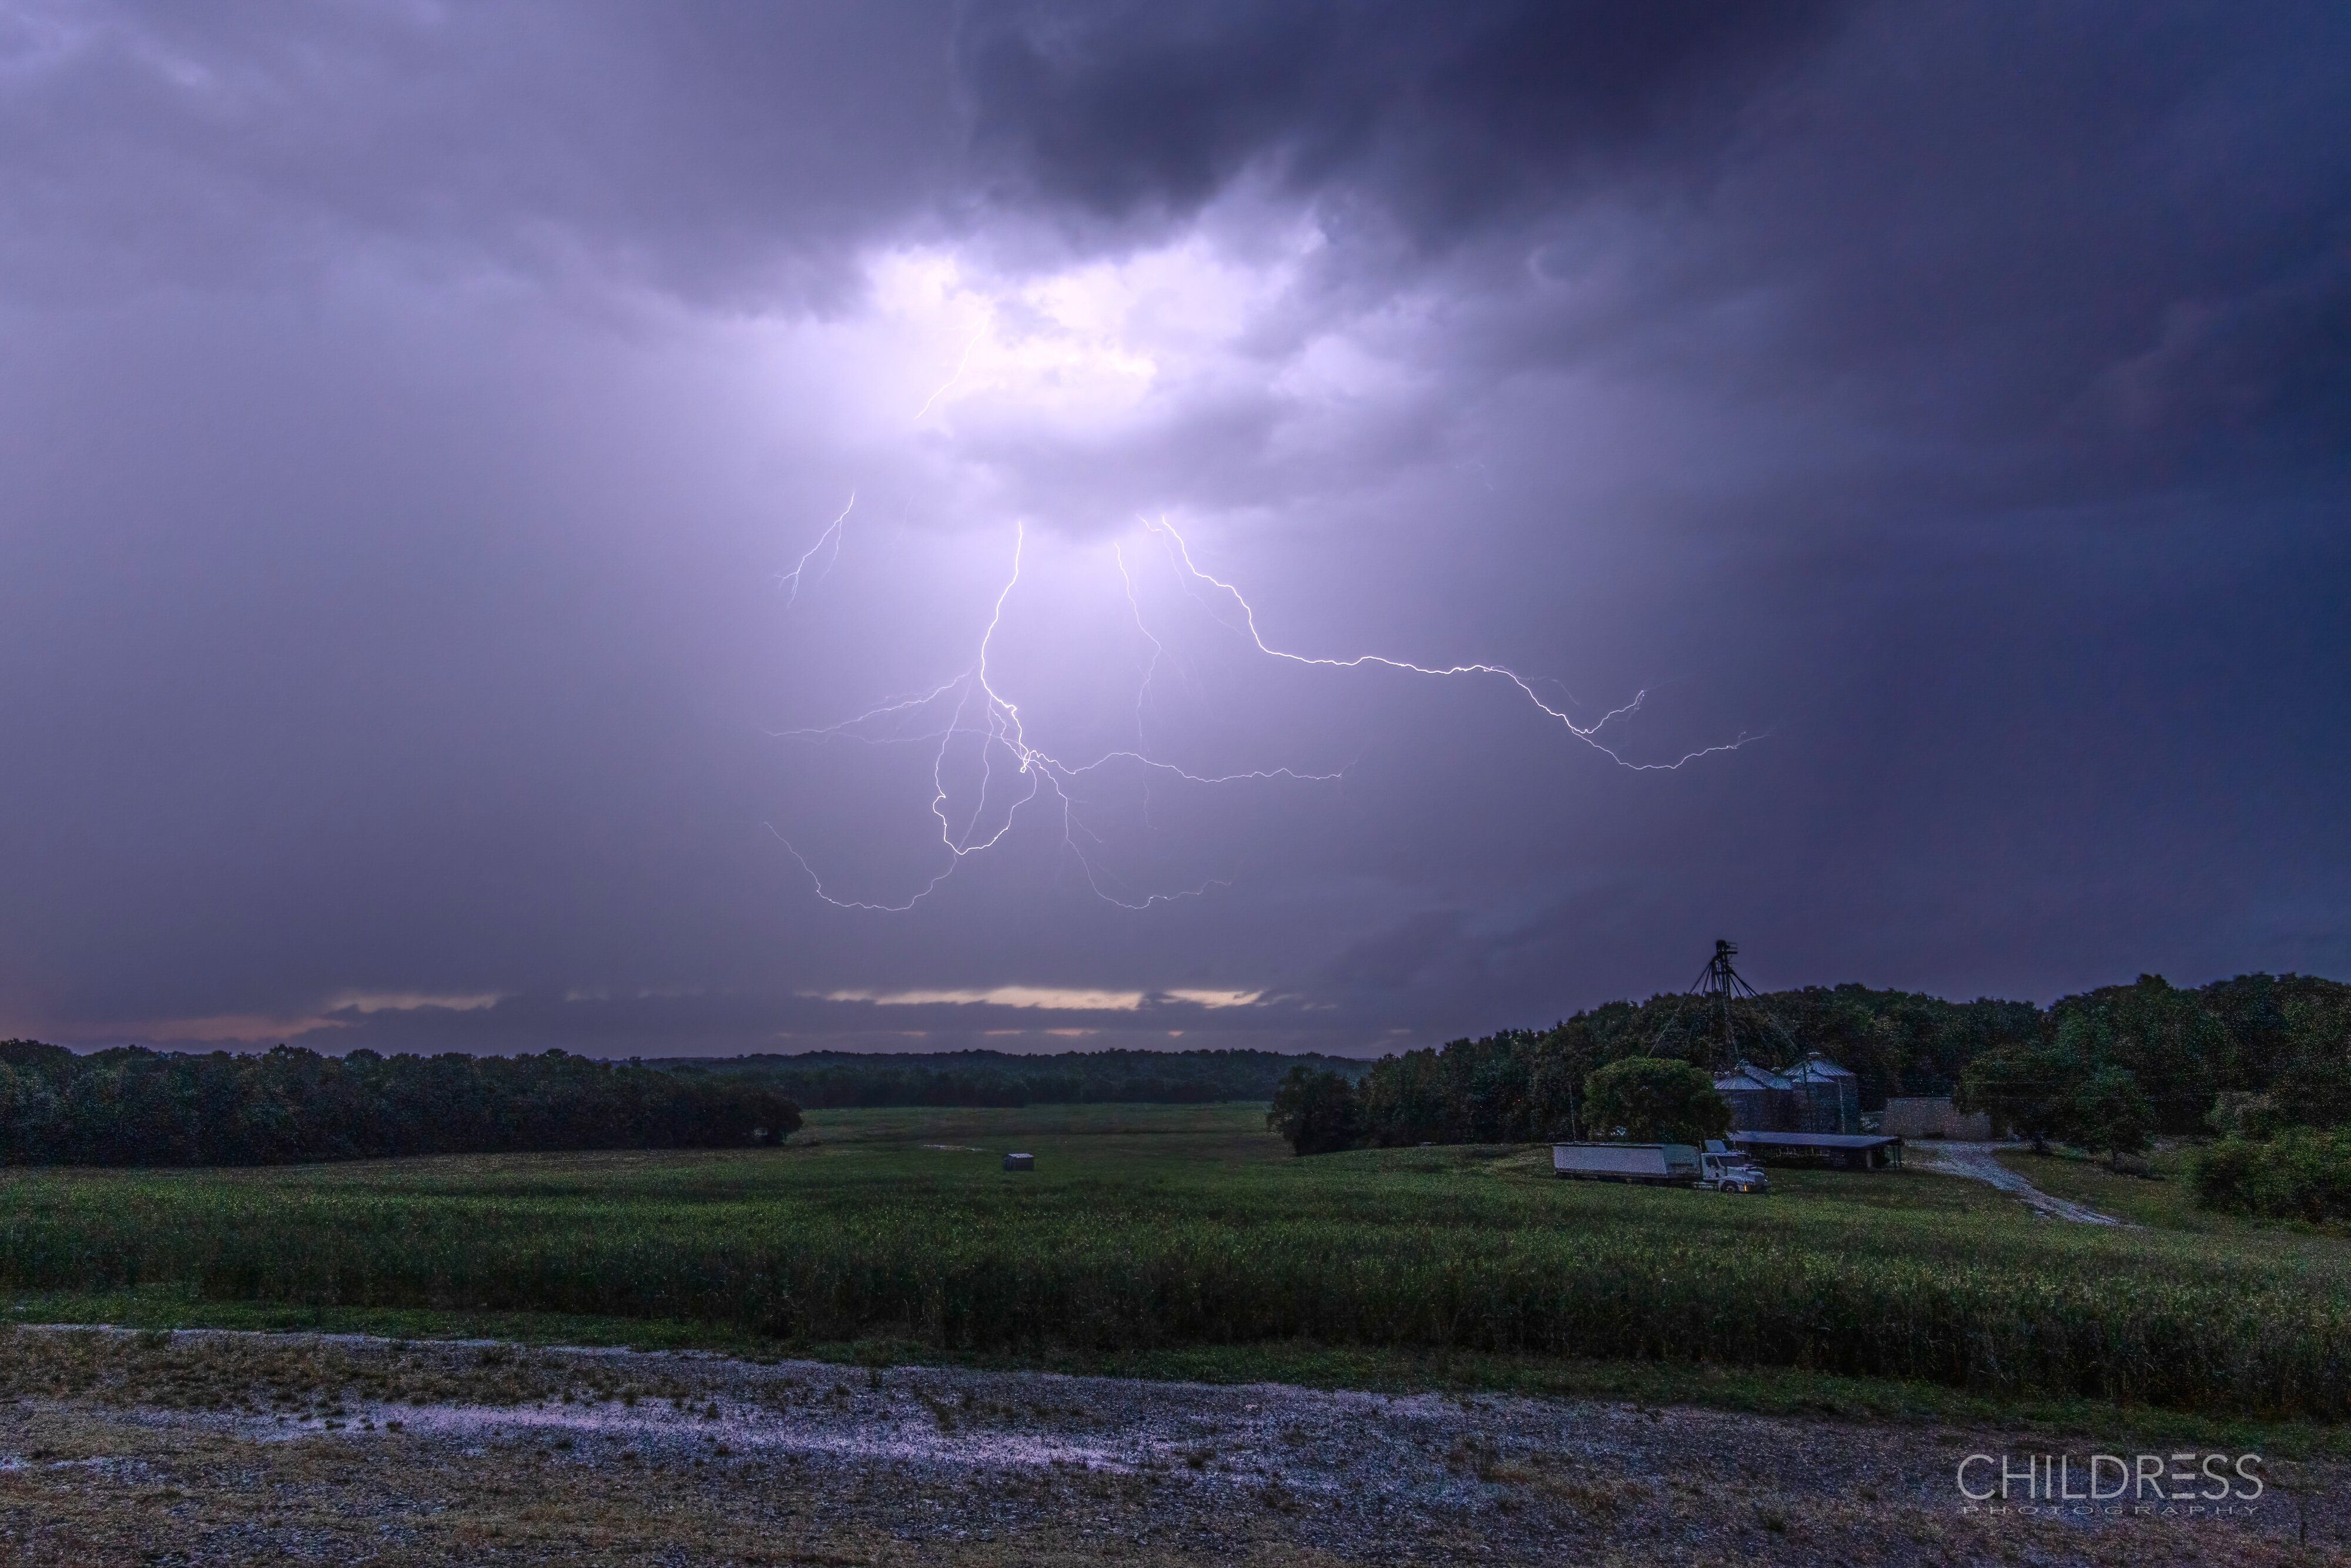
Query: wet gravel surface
{"x": 1980, "y": 1161}
{"x": 213, "y": 1448}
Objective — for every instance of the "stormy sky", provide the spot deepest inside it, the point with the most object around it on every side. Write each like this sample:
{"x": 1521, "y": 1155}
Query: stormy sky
{"x": 679, "y": 528}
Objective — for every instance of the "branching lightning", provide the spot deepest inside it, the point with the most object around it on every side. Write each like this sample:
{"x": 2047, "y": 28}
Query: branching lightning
{"x": 831, "y": 535}
{"x": 962, "y": 365}
{"x": 1588, "y": 734}
{"x": 975, "y": 707}
{"x": 971, "y": 710}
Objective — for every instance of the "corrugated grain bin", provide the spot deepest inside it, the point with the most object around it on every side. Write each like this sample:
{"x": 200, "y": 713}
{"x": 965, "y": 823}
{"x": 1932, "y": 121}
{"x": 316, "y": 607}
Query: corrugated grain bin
{"x": 1020, "y": 1161}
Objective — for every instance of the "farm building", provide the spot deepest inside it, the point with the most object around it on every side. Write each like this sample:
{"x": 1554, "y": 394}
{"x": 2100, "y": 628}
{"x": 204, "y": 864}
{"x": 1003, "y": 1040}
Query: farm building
{"x": 1827, "y": 1097}
{"x": 1848, "y": 1150}
{"x": 1754, "y": 1095}
{"x": 1816, "y": 1095}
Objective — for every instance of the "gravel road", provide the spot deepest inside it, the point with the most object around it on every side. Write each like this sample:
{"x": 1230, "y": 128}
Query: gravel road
{"x": 202, "y": 1449}
{"x": 1977, "y": 1162}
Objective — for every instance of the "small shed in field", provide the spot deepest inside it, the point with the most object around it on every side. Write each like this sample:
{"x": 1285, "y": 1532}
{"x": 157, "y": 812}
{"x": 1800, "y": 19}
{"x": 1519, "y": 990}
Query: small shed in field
{"x": 1020, "y": 1161}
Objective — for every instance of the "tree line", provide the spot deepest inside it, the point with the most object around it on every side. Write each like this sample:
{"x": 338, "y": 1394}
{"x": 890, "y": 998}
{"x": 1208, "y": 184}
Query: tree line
{"x": 132, "y": 1106}
{"x": 828, "y": 1080}
{"x": 2252, "y": 1057}
{"x": 2264, "y": 1061}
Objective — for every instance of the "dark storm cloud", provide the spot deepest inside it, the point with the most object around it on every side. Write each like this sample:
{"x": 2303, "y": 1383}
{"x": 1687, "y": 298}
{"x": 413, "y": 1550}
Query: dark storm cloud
{"x": 405, "y": 409}
{"x": 741, "y": 152}
{"x": 1914, "y": 265}
{"x": 2108, "y": 221}
{"x": 1445, "y": 113}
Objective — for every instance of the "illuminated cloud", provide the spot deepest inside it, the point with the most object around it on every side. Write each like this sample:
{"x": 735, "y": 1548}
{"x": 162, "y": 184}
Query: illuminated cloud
{"x": 1044, "y": 997}
{"x": 1050, "y": 998}
{"x": 1213, "y": 998}
{"x": 431, "y": 435}
{"x": 409, "y": 1001}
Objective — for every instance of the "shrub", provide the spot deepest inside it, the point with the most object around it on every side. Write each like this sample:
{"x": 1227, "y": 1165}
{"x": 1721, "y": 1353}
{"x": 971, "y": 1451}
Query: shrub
{"x": 1657, "y": 1099}
{"x": 2314, "y": 1091}
{"x": 2112, "y": 1115}
{"x": 2298, "y": 1175}
{"x": 2241, "y": 1111}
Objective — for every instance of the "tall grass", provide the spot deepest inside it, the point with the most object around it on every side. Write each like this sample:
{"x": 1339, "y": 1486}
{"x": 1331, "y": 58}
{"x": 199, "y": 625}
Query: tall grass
{"x": 1128, "y": 1249}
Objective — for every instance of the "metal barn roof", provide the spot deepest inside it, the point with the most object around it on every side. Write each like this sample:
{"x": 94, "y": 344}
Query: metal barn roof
{"x": 1817, "y": 1140}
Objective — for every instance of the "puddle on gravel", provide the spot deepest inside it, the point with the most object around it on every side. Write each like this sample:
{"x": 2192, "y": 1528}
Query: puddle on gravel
{"x": 112, "y": 1466}
{"x": 905, "y": 1438}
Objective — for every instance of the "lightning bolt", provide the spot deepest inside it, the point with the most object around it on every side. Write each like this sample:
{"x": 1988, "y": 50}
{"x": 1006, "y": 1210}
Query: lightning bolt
{"x": 962, "y": 365}
{"x": 974, "y": 706}
{"x": 971, "y": 705}
{"x": 969, "y": 709}
{"x": 831, "y": 532}
{"x": 1150, "y": 669}
{"x": 1588, "y": 734}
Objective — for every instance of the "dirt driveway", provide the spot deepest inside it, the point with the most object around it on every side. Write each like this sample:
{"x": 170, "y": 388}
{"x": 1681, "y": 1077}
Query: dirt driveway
{"x": 1978, "y": 1163}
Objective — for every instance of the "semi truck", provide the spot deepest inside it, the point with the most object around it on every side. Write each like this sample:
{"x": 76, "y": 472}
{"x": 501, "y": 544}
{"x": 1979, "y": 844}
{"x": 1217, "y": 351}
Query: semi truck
{"x": 1714, "y": 1168}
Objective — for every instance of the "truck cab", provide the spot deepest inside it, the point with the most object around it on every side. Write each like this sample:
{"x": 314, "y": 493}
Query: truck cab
{"x": 1723, "y": 1169}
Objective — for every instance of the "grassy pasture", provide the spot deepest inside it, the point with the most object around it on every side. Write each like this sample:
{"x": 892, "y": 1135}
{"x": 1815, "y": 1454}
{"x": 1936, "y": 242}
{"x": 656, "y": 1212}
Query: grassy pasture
{"x": 1176, "y": 1231}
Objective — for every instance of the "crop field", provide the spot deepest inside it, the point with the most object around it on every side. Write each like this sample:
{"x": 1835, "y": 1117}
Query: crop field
{"x": 1170, "y": 1228}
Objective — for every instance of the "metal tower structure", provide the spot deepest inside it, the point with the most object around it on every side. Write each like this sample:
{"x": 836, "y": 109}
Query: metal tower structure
{"x": 1721, "y": 984}
{"x": 1721, "y": 993}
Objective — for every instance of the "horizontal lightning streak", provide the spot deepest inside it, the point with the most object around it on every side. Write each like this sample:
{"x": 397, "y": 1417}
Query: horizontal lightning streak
{"x": 1588, "y": 734}
{"x": 997, "y": 723}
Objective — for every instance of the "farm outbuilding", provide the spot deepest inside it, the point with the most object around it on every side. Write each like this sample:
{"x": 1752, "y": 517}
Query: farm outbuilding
{"x": 1816, "y": 1095}
{"x": 1020, "y": 1161}
{"x": 1754, "y": 1095}
{"x": 1827, "y": 1097}
{"x": 1849, "y": 1151}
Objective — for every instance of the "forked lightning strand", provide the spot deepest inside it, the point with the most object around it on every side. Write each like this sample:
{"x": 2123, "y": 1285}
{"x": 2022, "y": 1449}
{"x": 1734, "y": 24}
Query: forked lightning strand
{"x": 1588, "y": 734}
{"x": 973, "y": 706}
{"x": 997, "y": 723}
{"x": 831, "y": 535}
{"x": 962, "y": 365}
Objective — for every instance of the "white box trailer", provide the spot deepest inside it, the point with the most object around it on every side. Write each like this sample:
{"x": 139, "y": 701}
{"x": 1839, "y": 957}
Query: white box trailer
{"x": 1660, "y": 1164}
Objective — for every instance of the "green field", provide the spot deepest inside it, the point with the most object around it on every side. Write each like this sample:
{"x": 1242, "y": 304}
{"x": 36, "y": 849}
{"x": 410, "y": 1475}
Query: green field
{"x": 1171, "y": 1236}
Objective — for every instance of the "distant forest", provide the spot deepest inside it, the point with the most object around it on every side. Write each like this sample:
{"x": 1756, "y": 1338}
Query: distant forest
{"x": 836, "y": 1079}
{"x": 2185, "y": 1048}
{"x": 129, "y": 1106}
{"x": 2255, "y": 1058}
{"x": 2201, "y": 1058}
